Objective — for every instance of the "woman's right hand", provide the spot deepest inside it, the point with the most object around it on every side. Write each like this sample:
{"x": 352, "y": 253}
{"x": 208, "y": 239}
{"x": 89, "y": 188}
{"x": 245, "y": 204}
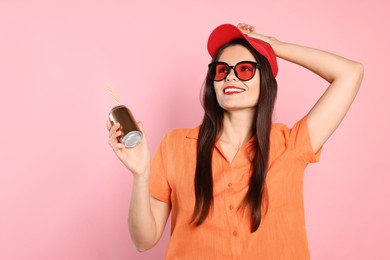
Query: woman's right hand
{"x": 136, "y": 159}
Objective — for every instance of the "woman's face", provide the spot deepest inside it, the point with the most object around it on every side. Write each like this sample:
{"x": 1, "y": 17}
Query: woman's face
{"x": 233, "y": 93}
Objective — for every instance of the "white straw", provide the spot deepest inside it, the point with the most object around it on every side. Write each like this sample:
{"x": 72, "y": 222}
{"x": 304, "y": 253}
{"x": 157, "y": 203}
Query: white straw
{"x": 113, "y": 95}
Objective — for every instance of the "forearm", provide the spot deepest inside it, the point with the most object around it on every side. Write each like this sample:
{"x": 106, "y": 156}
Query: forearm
{"x": 329, "y": 66}
{"x": 142, "y": 224}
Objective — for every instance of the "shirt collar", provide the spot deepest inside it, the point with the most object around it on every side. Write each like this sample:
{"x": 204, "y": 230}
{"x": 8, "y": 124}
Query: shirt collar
{"x": 193, "y": 133}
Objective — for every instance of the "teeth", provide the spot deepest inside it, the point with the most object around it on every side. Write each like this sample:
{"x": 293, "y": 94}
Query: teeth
{"x": 233, "y": 90}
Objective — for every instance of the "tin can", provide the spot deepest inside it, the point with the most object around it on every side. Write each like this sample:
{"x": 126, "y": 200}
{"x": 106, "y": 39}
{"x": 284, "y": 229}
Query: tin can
{"x": 131, "y": 134}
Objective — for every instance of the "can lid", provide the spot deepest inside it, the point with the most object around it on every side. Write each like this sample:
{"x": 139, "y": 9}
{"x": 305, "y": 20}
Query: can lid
{"x": 132, "y": 139}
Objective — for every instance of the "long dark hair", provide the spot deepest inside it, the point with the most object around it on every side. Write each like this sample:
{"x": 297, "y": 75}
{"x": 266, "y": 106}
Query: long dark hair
{"x": 210, "y": 130}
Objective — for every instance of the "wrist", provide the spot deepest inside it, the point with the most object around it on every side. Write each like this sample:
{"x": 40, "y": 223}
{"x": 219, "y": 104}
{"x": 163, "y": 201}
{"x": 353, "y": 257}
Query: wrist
{"x": 140, "y": 182}
{"x": 143, "y": 175}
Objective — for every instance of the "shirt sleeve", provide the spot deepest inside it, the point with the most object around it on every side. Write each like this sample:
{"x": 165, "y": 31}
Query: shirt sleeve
{"x": 159, "y": 184}
{"x": 299, "y": 141}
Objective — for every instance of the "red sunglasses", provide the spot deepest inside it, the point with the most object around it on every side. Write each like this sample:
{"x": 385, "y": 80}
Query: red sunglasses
{"x": 244, "y": 70}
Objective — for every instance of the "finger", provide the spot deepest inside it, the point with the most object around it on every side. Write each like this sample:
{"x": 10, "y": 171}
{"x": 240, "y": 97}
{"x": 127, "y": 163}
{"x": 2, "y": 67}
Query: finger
{"x": 246, "y": 27}
{"x": 113, "y": 139}
{"x": 108, "y": 124}
{"x": 241, "y": 26}
{"x": 114, "y": 128}
{"x": 115, "y": 135}
{"x": 118, "y": 146}
{"x": 249, "y": 28}
{"x": 141, "y": 126}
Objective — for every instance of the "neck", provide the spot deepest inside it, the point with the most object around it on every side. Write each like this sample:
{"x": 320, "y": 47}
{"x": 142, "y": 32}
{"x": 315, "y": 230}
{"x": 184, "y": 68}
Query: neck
{"x": 237, "y": 127}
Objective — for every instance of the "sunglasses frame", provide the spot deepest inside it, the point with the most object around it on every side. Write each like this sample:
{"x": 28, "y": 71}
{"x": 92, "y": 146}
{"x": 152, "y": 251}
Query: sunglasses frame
{"x": 213, "y": 66}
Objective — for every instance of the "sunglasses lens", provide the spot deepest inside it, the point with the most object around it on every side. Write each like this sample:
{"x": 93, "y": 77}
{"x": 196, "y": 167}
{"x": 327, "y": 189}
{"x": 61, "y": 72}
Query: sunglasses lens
{"x": 221, "y": 71}
{"x": 245, "y": 70}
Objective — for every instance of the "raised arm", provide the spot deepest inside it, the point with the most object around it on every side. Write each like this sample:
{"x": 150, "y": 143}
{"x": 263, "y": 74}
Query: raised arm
{"x": 344, "y": 76}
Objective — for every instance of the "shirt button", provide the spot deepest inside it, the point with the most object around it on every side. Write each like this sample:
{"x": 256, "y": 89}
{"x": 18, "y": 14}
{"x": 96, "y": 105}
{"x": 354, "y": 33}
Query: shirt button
{"x": 235, "y": 233}
{"x": 230, "y": 184}
{"x": 231, "y": 207}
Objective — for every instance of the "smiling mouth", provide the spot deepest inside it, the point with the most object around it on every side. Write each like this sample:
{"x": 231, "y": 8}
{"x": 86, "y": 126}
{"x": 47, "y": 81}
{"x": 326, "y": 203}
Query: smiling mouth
{"x": 232, "y": 90}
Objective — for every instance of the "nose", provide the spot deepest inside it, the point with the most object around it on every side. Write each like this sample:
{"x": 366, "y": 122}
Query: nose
{"x": 231, "y": 75}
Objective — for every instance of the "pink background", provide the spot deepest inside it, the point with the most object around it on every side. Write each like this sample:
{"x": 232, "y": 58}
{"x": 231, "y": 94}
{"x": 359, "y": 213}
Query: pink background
{"x": 64, "y": 194}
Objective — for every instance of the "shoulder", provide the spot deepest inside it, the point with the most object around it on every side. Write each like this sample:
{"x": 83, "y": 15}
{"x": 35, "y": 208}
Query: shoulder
{"x": 183, "y": 133}
{"x": 289, "y": 137}
{"x": 177, "y": 144}
{"x": 295, "y": 139}
{"x": 180, "y": 136}
{"x": 279, "y": 132}
{"x": 278, "y": 128}
{"x": 282, "y": 131}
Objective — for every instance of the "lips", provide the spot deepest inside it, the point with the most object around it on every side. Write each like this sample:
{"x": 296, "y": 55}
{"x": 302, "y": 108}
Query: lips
{"x": 229, "y": 90}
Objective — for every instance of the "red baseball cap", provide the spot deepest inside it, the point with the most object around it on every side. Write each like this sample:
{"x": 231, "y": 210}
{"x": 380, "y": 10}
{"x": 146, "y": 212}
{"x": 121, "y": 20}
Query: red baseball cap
{"x": 227, "y": 32}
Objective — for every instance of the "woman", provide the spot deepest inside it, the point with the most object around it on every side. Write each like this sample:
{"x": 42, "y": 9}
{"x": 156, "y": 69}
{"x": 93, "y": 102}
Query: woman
{"x": 234, "y": 184}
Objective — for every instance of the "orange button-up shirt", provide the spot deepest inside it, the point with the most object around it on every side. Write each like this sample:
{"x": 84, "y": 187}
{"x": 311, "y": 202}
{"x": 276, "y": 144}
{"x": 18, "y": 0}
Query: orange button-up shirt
{"x": 225, "y": 234}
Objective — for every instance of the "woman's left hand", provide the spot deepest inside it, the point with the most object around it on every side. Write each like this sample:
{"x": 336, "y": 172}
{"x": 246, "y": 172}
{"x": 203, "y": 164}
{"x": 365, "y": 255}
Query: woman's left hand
{"x": 251, "y": 32}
